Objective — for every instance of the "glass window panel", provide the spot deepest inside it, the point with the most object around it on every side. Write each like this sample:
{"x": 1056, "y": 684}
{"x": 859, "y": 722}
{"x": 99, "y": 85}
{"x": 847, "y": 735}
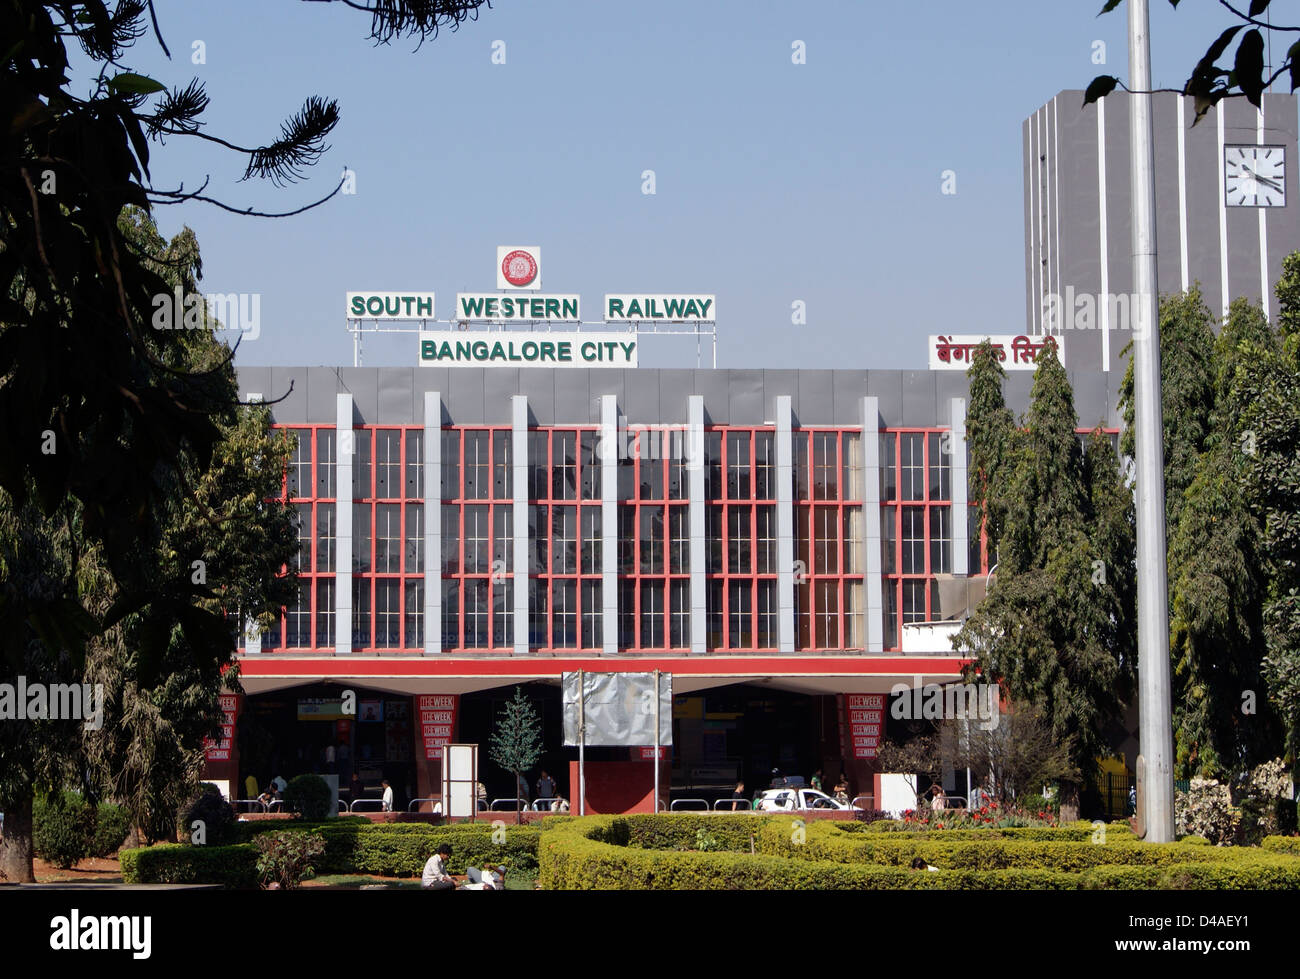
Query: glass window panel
{"x": 827, "y": 615}
{"x": 679, "y": 558}
{"x": 298, "y": 478}
{"x": 388, "y": 464}
{"x": 450, "y": 540}
{"x": 388, "y": 538}
{"x": 302, "y": 523}
{"x": 713, "y": 530}
{"x": 564, "y": 465}
{"x": 852, "y": 537}
{"x": 764, "y": 466}
{"x": 564, "y": 613}
{"x": 765, "y": 534}
{"x": 652, "y": 614}
{"x": 326, "y": 537}
{"x": 738, "y": 465}
{"x": 325, "y": 612}
{"x": 298, "y": 618}
{"x": 941, "y": 540}
{"x": 912, "y": 465}
{"x": 538, "y": 521}
{"x": 361, "y": 463}
{"x": 851, "y": 458}
{"x": 592, "y": 615}
{"x": 361, "y": 537}
{"x": 891, "y": 614}
{"x": 538, "y": 487}
{"x": 825, "y": 465}
{"x": 740, "y": 615}
{"x": 503, "y": 539}
{"x": 414, "y": 464}
{"x": 478, "y": 465}
{"x": 503, "y": 613}
{"x": 713, "y": 487}
{"x": 913, "y": 540}
{"x": 652, "y": 540}
{"x": 538, "y": 589}
{"x": 680, "y": 614}
{"x": 414, "y": 622}
{"x": 652, "y": 467}
{"x": 738, "y": 540}
{"x": 626, "y": 539}
{"x": 388, "y": 613}
{"x": 361, "y": 621}
{"x": 591, "y": 465}
{"x": 326, "y": 463}
{"x": 450, "y": 465}
{"x": 940, "y": 482}
{"x": 713, "y": 607}
{"x": 502, "y": 481}
{"x": 888, "y": 540}
{"x": 888, "y": 462}
{"x": 414, "y": 538}
{"x": 679, "y": 486}
{"x": 799, "y": 442}
{"x": 767, "y": 614}
{"x": 450, "y": 613}
{"x": 476, "y": 618}
{"x": 974, "y": 558}
{"x": 478, "y": 555}
{"x": 591, "y": 540}
{"x": 627, "y": 615}
{"x": 826, "y": 551}
{"x": 564, "y": 540}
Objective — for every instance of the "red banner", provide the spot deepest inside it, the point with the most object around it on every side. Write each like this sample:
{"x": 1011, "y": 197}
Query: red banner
{"x": 866, "y": 722}
{"x": 437, "y": 721}
{"x": 220, "y": 750}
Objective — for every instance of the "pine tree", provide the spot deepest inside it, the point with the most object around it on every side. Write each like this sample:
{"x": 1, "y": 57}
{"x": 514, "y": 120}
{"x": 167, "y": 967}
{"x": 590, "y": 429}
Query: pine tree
{"x": 1054, "y": 627}
{"x": 516, "y": 742}
{"x": 991, "y": 433}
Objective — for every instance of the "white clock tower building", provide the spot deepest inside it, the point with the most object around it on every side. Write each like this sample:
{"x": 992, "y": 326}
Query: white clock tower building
{"x": 1227, "y": 211}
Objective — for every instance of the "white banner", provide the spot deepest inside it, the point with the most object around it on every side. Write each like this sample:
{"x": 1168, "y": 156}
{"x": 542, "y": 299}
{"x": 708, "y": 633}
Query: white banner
{"x": 520, "y": 348}
{"x": 1016, "y": 352}
{"x": 486, "y": 307}
{"x": 662, "y": 308}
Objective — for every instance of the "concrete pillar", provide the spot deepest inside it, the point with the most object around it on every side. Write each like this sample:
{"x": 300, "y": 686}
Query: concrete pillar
{"x": 785, "y": 583}
{"x": 695, "y": 480}
{"x": 346, "y": 442}
{"x": 519, "y": 481}
{"x": 957, "y": 447}
{"x": 609, "y": 446}
{"x": 432, "y": 522}
{"x": 871, "y": 501}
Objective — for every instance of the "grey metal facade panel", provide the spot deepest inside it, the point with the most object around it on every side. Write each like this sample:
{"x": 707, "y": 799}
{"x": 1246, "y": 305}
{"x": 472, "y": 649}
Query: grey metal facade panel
{"x": 712, "y": 386}
{"x": 464, "y": 397}
{"x": 289, "y": 384}
{"x": 675, "y": 391}
{"x": 322, "y": 395}
{"x": 538, "y": 384}
{"x": 745, "y": 400}
{"x": 919, "y": 402}
{"x": 641, "y": 396}
{"x": 500, "y": 384}
{"x": 397, "y": 397}
{"x": 1241, "y": 125}
{"x": 949, "y": 385}
{"x": 783, "y": 383}
{"x": 1280, "y": 126}
{"x": 1090, "y": 397}
{"x": 887, "y": 388}
{"x": 363, "y": 384}
{"x": 1203, "y": 167}
{"x": 1016, "y": 391}
{"x": 255, "y": 380}
{"x": 574, "y": 402}
{"x": 1119, "y": 222}
{"x": 1164, "y": 111}
{"x": 1080, "y": 200}
{"x": 815, "y": 404}
{"x": 848, "y": 389}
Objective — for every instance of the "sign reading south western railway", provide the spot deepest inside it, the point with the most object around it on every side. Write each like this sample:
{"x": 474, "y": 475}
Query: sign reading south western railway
{"x": 660, "y": 308}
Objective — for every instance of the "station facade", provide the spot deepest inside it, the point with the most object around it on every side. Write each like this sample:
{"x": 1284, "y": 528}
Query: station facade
{"x": 788, "y": 544}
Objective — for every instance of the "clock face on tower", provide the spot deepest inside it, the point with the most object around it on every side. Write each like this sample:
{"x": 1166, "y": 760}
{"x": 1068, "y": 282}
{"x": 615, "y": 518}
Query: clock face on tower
{"x": 1254, "y": 176}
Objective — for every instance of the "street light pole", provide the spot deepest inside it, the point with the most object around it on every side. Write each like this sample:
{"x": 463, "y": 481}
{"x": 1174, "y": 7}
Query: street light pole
{"x": 1155, "y": 734}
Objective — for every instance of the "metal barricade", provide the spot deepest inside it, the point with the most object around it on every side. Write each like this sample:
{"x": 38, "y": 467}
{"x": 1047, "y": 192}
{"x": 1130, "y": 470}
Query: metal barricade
{"x": 377, "y": 803}
{"x": 515, "y": 805}
{"x": 544, "y": 804}
{"x": 258, "y": 803}
{"x": 415, "y": 803}
{"x": 870, "y": 801}
{"x": 733, "y": 805}
{"x": 695, "y": 805}
{"x": 949, "y": 802}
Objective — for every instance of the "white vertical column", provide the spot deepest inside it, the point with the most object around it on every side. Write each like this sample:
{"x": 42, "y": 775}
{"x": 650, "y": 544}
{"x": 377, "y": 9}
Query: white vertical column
{"x": 695, "y": 479}
{"x": 784, "y": 525}
{"x": 957, "y": 462}
{"x": 519, "y": 483}
{"x": 432, "y": 522}
{"x": 610, "y": 441}
{"x": 871, "y": 501}
{"x": 346, "y": 442}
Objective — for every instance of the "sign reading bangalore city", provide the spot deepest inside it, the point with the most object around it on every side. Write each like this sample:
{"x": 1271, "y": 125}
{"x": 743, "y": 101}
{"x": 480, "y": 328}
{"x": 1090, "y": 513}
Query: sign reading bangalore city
{"x": 390, "y": 305}
{"x": 486, "y": 307}
{"x": 956, "y": 353}
{"x": 665, "y": 309}
{"x": 456, "y": 348}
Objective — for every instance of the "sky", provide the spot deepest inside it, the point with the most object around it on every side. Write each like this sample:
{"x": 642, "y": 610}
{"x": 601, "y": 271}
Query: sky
{"x": 775, "y": 183}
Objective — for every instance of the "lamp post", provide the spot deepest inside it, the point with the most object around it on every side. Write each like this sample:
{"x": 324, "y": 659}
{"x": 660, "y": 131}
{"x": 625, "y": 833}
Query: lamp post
{"x": 1155, "y": 736}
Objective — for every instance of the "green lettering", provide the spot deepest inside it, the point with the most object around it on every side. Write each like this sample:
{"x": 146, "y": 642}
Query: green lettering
{"x": 424, "y": 305}
{"x": 428, "y": 350}
{"x": 358, "y": 306}
{"x": 704, "y": 308}
{"x": 536, "y": 308}
{"x": 615, "y": 308}
{"x": 552, "y": 308}
{"x": 570, "y": 309}
{"x": 464, "y": 350}
{"x": 480, "y": 350}
{"x": 564, "y": 350}
{"x": 498, "y": 352}
{"x": 471, "y": 306}
{"x": 634, "y": 309}
{"x": 627, "y": 350}
{"x": 490, "y": 305}
{"x": 546, "y": 349}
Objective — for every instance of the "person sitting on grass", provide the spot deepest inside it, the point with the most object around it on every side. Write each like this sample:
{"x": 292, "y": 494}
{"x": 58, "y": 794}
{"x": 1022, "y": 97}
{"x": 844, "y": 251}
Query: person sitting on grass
{"x": 918, "y": 863}
{"x": 435, "y": 876}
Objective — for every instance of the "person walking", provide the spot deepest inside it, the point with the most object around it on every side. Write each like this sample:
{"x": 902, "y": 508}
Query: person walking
{"x": 388, "y": 796}
{"x": 816, "y": 780}
{"x": 737, "y": 797}
{"x": 842, "y": 790}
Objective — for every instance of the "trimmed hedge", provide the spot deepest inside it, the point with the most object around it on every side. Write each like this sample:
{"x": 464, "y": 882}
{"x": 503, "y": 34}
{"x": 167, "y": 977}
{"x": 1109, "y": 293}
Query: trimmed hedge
{"x": 600, "y": 852}
{"x": 233, "y": 867}
{"x": 1281, "y": 844}
{"x": 402, "y": 849}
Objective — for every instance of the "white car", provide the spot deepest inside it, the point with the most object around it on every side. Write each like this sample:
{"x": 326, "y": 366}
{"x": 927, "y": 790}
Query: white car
{"x": 794, "y": 800}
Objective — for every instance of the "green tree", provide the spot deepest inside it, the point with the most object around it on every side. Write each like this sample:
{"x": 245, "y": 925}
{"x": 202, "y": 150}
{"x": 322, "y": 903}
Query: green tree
{"x": 1053, "y": 629}
{"x": 516, "y": 741}
{"x": 990, "y": 431}
{"x": 1246, "y": 77}
{"x": 213, "y": 530}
